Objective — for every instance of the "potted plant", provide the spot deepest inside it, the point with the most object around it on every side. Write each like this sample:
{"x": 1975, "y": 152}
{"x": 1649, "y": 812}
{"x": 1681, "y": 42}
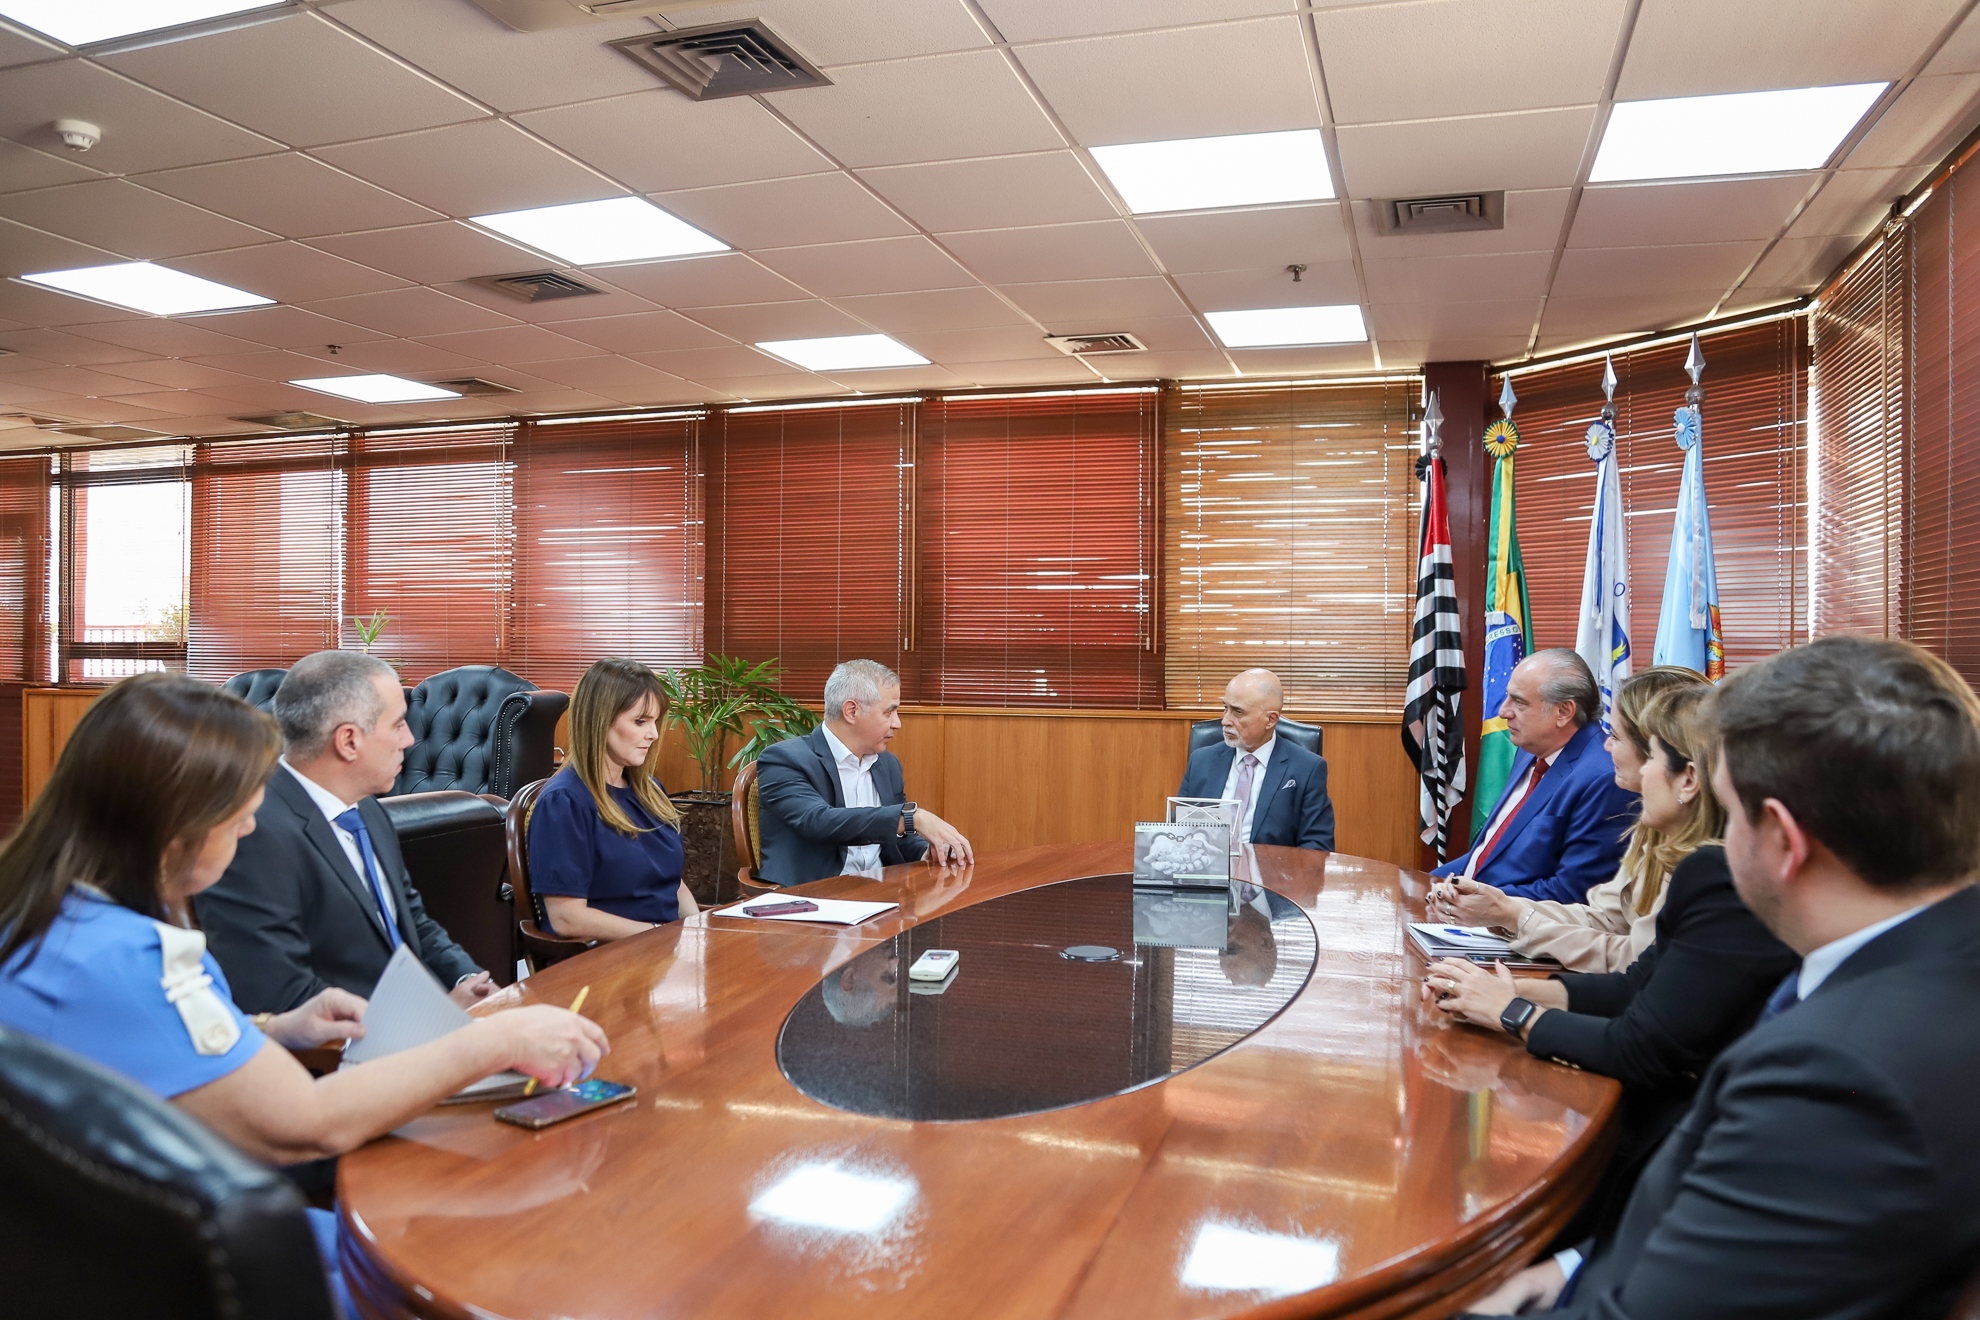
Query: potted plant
{"x": 721, "y": 699}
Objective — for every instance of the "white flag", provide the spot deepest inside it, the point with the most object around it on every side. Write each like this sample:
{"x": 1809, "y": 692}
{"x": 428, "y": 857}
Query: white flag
{"x": 1602, "y": 636}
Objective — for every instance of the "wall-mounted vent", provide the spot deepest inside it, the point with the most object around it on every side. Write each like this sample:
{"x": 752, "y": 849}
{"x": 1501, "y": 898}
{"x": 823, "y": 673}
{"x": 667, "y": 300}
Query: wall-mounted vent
{"x": 474, "y": 385}
{"x": 1452, "y": 213}
{"x": 537, "y": 285}
{"x": 292, "y": 421}
{"x": 1094, "y": 345}
{"x": 724, "y": 59}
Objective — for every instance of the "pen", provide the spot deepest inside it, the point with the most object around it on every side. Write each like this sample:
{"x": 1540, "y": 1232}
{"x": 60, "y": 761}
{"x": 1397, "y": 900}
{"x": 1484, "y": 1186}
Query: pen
{"x": 576, "y": 1004}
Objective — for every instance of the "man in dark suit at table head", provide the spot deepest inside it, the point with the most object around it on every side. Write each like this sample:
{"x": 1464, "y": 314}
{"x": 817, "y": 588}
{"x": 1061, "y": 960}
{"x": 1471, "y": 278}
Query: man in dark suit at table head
{"x": 1283, "y": 787}
{"x": 834, "y": 801}
{"x": 1827, "y": 1166}
{"x": 318, "y": 894}
{"x": 1560, "y": 825}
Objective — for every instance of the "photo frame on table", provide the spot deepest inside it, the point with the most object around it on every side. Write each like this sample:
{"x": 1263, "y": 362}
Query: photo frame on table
{"x": 1193, "y": 853}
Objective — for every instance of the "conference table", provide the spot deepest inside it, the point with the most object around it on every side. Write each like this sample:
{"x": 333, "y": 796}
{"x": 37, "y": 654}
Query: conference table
{"x": 1119, "y": 1104}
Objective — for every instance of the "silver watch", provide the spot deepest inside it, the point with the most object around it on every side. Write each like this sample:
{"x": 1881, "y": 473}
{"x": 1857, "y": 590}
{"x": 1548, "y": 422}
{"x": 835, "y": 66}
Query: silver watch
{"x": 907, "y": 818}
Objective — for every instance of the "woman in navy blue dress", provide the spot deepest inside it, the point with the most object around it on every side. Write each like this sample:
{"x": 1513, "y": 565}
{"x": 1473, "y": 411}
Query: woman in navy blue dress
{"x": 604, "y": 840}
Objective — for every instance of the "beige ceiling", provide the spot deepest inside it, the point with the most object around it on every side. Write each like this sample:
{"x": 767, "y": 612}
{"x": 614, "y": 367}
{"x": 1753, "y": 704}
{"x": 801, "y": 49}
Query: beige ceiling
{"x": 941, "y": 191}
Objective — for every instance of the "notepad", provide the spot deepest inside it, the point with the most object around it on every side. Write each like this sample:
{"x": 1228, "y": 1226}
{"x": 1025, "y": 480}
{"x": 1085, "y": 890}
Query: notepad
{"x": 1439, "y": 941}
{"x": 409, "y": 1008}
{"x": 831, "y": 911}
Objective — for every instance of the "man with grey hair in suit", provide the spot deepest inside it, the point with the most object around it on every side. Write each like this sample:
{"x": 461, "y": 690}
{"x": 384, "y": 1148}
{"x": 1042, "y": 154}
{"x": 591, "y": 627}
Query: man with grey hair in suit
{"x": 834, "y": 801}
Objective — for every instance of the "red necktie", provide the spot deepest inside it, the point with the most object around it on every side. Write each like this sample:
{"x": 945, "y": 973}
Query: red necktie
{"x": 1532, "y": 787}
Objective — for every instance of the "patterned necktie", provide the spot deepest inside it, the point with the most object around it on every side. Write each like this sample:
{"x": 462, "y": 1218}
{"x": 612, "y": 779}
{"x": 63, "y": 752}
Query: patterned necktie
{"x": 354, "y": 823}
{"x": 1532, "y": 787}
{"x": 1246, "y": 769}
{"x": 1785, "y": 996}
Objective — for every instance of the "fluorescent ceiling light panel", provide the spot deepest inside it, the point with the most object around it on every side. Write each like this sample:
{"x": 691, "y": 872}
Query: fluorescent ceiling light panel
{"x": 1281, "y": 327}
{"x": 844, "y": 353}
{"x": 80, "y": 22}
{"x": 1689, "y": 137}
{"x": 595, "y": 233}
{"x": 1198, "y": 174}
{"x": 144, "y": 287}
{"x": 377, "y": 389}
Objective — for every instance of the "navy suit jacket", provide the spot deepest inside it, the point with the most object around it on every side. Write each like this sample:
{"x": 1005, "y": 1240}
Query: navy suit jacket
{"x": 805, "y": 822}
{"x": 1569, "y": 835}
{"x": 1293, "y": 809}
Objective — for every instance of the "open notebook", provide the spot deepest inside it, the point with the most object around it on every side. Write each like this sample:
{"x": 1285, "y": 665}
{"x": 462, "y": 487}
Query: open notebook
{"x": 409, "y": 1007}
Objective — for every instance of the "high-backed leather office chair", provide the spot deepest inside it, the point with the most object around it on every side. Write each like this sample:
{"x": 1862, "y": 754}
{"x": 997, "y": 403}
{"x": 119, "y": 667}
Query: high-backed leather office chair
{"x": 532, "y": 924}
{"x": 115, "y": 1203}
{"x": 1208, "y": 733}
{"x": 256, "y": 687}
{"x": 744, "y": 820}
{"x": 456, "y": 851}
{"x": 480, "y": 729}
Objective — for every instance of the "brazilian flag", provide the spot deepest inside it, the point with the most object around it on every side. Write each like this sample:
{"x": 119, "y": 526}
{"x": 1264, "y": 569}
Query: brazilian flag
{"x": 1508, "y": 625}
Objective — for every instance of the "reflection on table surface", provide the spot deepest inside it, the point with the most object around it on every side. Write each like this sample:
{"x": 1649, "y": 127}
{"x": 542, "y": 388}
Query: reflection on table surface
{"x": 1355, "y": 1147}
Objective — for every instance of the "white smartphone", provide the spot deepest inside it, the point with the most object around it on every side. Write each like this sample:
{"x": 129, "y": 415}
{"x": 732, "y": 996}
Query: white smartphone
{"x": 933, "y": 965}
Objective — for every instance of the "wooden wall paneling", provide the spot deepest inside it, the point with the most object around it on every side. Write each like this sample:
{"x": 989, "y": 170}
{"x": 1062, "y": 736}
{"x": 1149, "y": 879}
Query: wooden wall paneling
{"x": 48, "y": 717}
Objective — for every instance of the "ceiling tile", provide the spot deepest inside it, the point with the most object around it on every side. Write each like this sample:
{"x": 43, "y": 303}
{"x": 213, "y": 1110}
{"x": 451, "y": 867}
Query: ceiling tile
{"x": 1961, "y": 53}
{"x": 998, "y": 192}
{"x": 935, "y": 309}
{"x": 471, "y": 169}
{"x": 1704, "y": 47}
{"x": 1060, "y": 370}
{"x": 29, "y": 251}
{"x": 1211, "y": 365}
{"x": 1220, "y": 240}
{"x": 901, "y": 378}
{"x": 65, "y": 349}
{"x": 272, "y": 394}
{"x": 947, "y": 108}
{"x": 1853, "y": 202}
{"x": 28, "y": 305}
{"x": 1800, "y": 264}
{"x": 272, "y": 367}
{"x": 439, "y": 253}
{"x": 1453, "y": 320}
{"x": 113, "y": 410}
{"x": 1270, "y": 286}
{"x": 182, "y": 336}
{"x": 1168, "y": 334}
{"x": 299, "y": 80}
{"x": 736, "y": 360}
{"x": 609, "y": 301}
{"x": 23, "y": 167}
{"x": 175, "y": 403}
{"x": 290, "y": 194}
{"x": 664, "y": 390}
{"x": 644, "y": 332}
{"x": 660, "y": 140}
{"x": 784, "y": 385}
{"x": 1198, "y": 82}
{"x": 880, "y": 265}
{"x": 1093, "y": 249}
{"x": 853, "y": 31}
{"x": 1465, "y": 57}
{"x": 292, "y": 327}
{"x": 25, "y": 48}
{"x": 12, "y": 362}
{"x": 18, "y": 393}
{"x": 606, "y": 374}
{"x": 1095, "y": 301}
{"x": 72, "y": 380}
{"x": 1758, "y": 299}
{"x": 396, "y": 357}
{"x": 142, "y": 130}
{"x": 288, "y": 272}
{"x": 410, "y": 313}
{"x": 1628, "y": 215}
{"x": 121, "y": 217}
{"x": 515, "y": 343}
{"x": 1925, "y": 123}
{"x": 1299, "y": 361}
{"x": 1533, "y": 149}
{"x": 176, "y": 374}
{"x": 1582, "y": 319}
{"x": 1533, "y": 224}
{"x": 990, "y": 344}
{"x": 1410, "y": 353}
{"x": 726, "y": 278}
{"x": 756, "y": 322}
{"x": 1039, "y": 20}
{"x": 1651, "y": 271}
{"x": 818, "y": 208}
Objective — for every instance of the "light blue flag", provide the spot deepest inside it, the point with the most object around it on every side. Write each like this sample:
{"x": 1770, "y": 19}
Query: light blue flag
{"x": 1689, "y": 630}
{"x": 1602, "y": 635}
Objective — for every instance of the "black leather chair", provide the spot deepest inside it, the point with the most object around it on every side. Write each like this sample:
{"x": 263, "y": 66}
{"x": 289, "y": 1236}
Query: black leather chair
{"x": 480, "y": 729}
{"x": 454, "y": 850}
{"x": 1208, "y": 733}
{"x": 256, "y": 687}
{"x": 114, "y": 1203}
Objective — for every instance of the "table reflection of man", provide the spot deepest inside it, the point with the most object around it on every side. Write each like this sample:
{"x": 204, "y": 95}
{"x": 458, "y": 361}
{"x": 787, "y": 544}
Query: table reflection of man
{"x": 865, "y": 990}
{"x": 1251, "y": 953}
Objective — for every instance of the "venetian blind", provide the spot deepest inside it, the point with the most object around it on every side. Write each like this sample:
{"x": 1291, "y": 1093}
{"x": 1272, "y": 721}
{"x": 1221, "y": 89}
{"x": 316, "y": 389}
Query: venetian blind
{"x": 1754, "y": 383}
{"x": 1037, "y": 519}
{"x": 427, "y": 542}
{"x": 1288, "y": 540}
{"x": 263, "y": 569}
{"x": 809, "y": 525}
{"x": 608, "y": 546}
{"x": 24, "y": 486}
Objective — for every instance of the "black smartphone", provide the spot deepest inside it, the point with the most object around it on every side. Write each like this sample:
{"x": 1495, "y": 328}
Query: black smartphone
{"x": 543, "y": 1110}
{"x": 781, "y": 909}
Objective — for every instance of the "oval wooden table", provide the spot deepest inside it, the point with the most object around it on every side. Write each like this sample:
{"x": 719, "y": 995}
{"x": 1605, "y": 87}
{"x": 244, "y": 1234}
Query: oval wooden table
{"x": 1356, "y": 1156}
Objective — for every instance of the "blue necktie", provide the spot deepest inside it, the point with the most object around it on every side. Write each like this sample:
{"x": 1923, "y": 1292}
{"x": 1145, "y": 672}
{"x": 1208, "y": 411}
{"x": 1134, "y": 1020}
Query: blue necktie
{"x": 1785, "y": 996}
{"x": 354, "y": 823}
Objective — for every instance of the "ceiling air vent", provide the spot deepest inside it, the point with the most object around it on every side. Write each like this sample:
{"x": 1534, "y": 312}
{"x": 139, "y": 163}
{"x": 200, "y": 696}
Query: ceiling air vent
{"x": 536, "y": 285}
{"x": 291, "y": 421}
{"x": 724, "y": 59}
{"x": 1452, "y": 213}
{"x": 1093, "y": 345}
{"x": 474, "y": 385}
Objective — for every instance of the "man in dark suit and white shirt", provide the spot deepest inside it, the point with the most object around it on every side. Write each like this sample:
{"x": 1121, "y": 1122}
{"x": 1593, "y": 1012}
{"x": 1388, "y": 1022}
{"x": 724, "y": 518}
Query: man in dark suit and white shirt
{"x": 834, "y": 802}
{"x": 318, "y": 894}
{"x": 1827, "y": 1166}
{"x": 1283, "y": 788}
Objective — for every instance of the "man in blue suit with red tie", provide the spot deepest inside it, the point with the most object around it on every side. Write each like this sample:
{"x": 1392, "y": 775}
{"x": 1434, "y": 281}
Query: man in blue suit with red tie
{"x": 1560, "y": 826}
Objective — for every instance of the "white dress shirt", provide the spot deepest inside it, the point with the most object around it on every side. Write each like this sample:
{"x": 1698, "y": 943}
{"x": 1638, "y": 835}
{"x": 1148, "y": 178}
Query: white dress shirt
{"x": 1264, "y": 755}
{"x": 332, "y": 807}
{"x": 1819, "y": 965}
{"x": 857, "y": 790}
{"x": 1510, "y": 805}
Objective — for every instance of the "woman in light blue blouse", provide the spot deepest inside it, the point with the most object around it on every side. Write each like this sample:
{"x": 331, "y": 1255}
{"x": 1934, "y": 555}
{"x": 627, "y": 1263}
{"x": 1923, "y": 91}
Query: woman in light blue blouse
{"x": 160, "y": 779}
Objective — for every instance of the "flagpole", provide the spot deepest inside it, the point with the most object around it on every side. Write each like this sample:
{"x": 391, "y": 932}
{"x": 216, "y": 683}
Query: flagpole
{"x": 1690, "y": 631}
{"x": 1508, "y": 619}
{"x": 1433, "y": 724}
{"x": 1602, "y": 633}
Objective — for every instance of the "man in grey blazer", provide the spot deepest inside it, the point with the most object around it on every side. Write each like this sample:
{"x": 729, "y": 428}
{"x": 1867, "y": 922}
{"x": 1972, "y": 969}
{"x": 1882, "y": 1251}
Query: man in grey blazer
{"x": 834, "y": 802}
{"x": 1283, "y": 787}
{"x": 318, "y": 894}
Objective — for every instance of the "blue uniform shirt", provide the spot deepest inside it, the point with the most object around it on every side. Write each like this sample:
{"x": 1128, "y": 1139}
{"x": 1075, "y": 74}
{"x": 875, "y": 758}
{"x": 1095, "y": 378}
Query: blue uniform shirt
{"x": 573, "y": 853}
{"x": 96, "y": 987}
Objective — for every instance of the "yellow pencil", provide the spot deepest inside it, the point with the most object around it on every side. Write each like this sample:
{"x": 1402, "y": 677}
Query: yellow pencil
{"x": 576, "y": 1004}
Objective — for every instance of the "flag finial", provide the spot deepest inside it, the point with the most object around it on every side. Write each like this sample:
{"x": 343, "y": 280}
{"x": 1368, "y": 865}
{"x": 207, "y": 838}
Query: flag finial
{"x": 1506, "y": 396}
{"x": 1694, "y": 364}
{"x": 1608, "y": 388}
{"x": 1433, "y": 421}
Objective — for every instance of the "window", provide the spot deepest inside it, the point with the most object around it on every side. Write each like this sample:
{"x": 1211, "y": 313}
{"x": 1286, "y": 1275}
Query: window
{"x": 1289, "y": 511}
{"x": 125, "y": 520}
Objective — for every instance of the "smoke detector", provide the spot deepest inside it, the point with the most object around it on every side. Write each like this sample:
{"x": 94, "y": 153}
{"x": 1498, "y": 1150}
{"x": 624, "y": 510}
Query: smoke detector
{"x": 723, "y": 59}
{"x": 1096, "y": 345}
{"x": 1449, "y": 213}
{"x": 77, "y": 134}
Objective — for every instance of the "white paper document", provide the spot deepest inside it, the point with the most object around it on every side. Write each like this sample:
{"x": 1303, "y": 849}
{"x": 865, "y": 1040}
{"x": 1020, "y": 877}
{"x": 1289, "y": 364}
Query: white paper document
{"x": 1439, "y": 940}
{"x": 831, "y": 911}
{"x": 408, "y": 1008}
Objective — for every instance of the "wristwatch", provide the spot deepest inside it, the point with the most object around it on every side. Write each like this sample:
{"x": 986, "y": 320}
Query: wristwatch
{"x": 907, "y": 818}
{"x": 1518, "y": 1013}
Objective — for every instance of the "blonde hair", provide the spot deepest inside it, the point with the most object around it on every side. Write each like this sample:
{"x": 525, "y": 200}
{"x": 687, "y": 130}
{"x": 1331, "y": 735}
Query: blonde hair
{"x": 1680, "y": 722}
{"x": 609, "y": 689}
